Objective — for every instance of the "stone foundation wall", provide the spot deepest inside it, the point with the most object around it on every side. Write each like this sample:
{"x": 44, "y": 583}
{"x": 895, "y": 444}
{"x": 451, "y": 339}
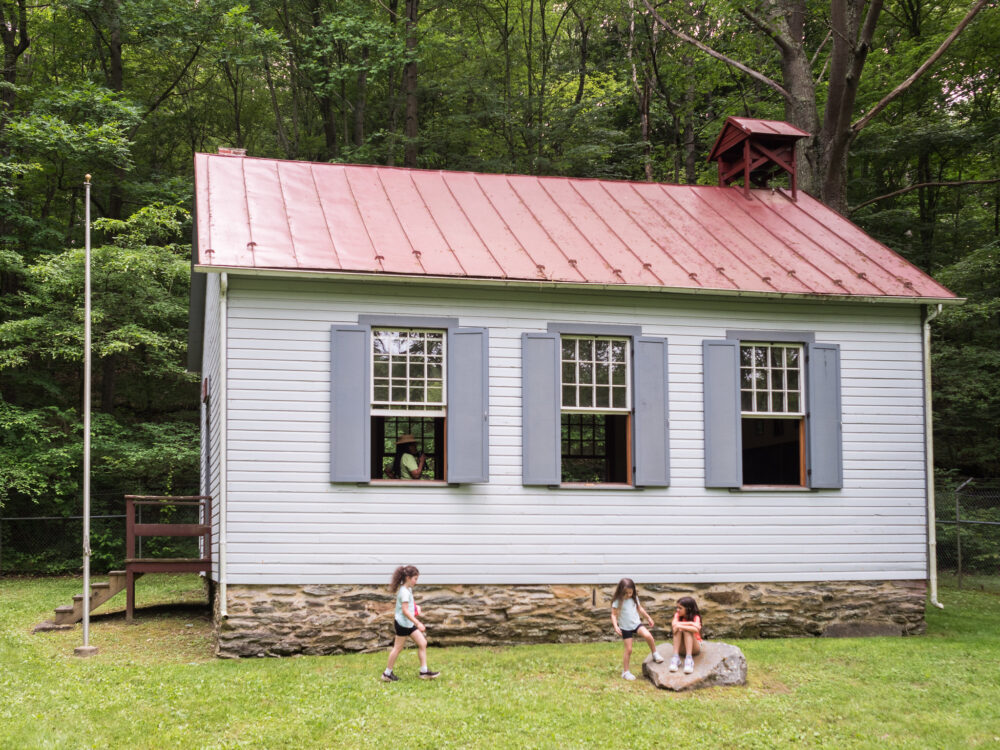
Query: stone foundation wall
{"x": 330, "y": 619}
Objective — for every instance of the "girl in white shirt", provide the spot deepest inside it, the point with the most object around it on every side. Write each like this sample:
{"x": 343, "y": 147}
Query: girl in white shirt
{"x": 405, "y": 622}
{"x": 625, "y": 612}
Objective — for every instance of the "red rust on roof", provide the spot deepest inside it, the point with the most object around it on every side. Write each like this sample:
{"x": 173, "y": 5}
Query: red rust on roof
{"x": 286, "y": 215}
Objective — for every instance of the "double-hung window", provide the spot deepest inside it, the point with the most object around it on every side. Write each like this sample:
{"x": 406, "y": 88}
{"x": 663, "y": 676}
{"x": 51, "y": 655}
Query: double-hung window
{"x": 408, "y": 398}
{"x": 594, "y": 407}
{"x": 595, "y": 417}
{"x": 772, "y": 414}
{"x": 421, "y": 380}
{"x": 772, "y": 411}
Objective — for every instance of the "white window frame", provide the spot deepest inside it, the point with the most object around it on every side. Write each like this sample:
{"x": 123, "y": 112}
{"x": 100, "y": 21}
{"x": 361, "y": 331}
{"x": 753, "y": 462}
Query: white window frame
{"x": 429, "y": 409}
{"x": 627, "y": 409}
{"x": 801, "y": 390}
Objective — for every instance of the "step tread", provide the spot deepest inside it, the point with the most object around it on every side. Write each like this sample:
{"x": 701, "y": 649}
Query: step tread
{"x": 64, "y": 608}
{"x": 101, "y": 585}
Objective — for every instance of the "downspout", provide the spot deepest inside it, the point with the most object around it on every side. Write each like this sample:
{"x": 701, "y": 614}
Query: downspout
{"x": 223, "y": 429}
{"x": 929, "y": 315}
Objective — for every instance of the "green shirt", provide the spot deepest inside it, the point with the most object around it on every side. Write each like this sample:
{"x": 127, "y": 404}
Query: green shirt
{"x": 407, "y": 464}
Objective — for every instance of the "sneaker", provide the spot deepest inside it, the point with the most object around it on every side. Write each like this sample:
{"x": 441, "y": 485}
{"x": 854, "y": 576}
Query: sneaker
{"x": 657, "y": 658}
{"x": 675, "y": 663}
{"x": 628, "y": 676}
{"x": 426, "y": 674}
{"x": 389, "y": 677}
{"x": 688, "y": 665}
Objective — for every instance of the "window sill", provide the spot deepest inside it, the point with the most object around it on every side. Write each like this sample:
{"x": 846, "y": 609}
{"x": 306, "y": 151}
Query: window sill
{"x": 593, "y": 486}
{"x": 406, "y": 483}
{"x": 771, "y": 488}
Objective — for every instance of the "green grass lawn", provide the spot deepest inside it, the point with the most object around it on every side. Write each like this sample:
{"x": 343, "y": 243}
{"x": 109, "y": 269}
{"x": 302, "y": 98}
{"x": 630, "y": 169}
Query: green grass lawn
{"x": 155, "y": 684}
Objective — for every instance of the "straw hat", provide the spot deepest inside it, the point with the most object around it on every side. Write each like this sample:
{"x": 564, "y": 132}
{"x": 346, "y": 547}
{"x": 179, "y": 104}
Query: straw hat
{"x": 404, "y": 439}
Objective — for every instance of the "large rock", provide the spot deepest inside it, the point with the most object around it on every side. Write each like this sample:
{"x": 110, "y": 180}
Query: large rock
{"x": 717, "y": 664}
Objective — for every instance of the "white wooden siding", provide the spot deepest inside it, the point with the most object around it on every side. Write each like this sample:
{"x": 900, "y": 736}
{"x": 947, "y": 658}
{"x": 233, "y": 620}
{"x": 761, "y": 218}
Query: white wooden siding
{"x": 289, "y": 524}
{"x": 210, "y": 443}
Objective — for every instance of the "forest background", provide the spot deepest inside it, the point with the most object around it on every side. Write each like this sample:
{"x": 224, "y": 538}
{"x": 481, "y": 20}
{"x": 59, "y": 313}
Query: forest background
{"x": 129, "y": 90}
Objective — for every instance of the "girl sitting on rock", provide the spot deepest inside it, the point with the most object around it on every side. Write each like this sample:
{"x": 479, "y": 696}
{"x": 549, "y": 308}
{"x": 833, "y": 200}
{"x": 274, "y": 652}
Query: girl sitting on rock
{"x": 625, "y": 611}
{"x": 686, "y": 626}
{"x": 404, "y": 578}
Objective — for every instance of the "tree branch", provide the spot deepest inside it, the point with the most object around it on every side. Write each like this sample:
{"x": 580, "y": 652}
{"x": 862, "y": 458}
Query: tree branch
{"x": 718, "y": 55}
{"x": 769, "y": 30}
{"x": 166, "y": 93}
{"x": 901, "y": 88}
{"x": 910, "y": 188}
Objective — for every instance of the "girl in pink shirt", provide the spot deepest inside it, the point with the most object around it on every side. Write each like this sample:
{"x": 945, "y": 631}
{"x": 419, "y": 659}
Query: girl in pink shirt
{"x": 686, "y": 626}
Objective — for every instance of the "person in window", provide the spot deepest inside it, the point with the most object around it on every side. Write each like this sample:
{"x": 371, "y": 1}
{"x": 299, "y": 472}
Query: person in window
{"x": 409, "y": 461}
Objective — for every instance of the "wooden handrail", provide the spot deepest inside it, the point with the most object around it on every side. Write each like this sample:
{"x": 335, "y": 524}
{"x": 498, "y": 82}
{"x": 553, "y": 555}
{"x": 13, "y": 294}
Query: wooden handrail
{"x": 134, "y": 530}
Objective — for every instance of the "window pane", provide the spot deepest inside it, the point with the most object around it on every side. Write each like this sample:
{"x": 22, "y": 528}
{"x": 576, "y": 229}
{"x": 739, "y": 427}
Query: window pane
{"x": 777, "y": 401}
{"x": 777, "y": 360}
{"x": 602, "y": 376}
{"x": 746, "y": 378}
{"x": 416, "y": 394}
{"x": 760, "y": 356}
{"x": 399, "y": 369}
{"x": 569, "y": 395}
{"x": 793, "y": 402}
{"x": 760, "y": 379}
{"x": 381, "y": 370}
{"x": 777, "y": 380}
{"x": 793, "y": 380}
{"x": 793, "y": 357}
{"x": 435, "y": 393}
{"x": 434, "y": 371}
{"x": 417, "y": 346}
{"x": 568, "y": 372}
{"x": 619, "y": 400}
{"x": 381, "y": 392}
{"x": 618, "y": 351}
{"x": 746, "y": 401}
{"x": 569, "y": 349}
{"x": 398, "y": 393}
{"x": 603, "y": 397}
{"x": 586, "y": 397}
{"x": 618, "y": 374}
{"x": 587, "y": 349}
{"x": 602, "y": 350}
{"x": 416, "y": 369}
{"x": 586, "y": 372}
{"x": 746, "y": 356}
{"x": 762, "y": 401}
{"x": 435, "y": 347}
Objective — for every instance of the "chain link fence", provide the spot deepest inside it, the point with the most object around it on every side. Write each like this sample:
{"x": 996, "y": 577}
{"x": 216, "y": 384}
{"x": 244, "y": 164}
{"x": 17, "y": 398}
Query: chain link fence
{"x": 53, "y": 545}
{"x": 968, "y": 538}
{"x": 968, "y": 535}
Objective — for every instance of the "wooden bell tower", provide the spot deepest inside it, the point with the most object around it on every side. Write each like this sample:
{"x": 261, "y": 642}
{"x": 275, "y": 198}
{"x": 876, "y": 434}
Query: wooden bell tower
{"x": 755, "y": 150}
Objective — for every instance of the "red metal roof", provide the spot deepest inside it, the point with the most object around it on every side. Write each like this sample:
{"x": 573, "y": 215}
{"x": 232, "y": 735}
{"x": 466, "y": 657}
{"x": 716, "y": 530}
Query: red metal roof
{"x": 291, "y": 215}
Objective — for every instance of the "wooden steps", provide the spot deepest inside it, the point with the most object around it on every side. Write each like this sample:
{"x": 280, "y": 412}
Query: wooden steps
{"x": 100, "y": 593}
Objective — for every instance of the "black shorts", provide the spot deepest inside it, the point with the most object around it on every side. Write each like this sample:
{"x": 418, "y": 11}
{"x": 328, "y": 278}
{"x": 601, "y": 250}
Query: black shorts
{"x": 402, "y": 629}
{"x": 626, "y": 634}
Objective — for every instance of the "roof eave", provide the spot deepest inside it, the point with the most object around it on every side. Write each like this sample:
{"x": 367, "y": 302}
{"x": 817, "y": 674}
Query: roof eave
{"x": 569, "y": 285}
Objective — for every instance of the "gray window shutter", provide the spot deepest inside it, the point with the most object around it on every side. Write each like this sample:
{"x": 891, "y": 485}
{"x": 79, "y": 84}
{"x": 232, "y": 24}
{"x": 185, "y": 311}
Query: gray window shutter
{"x": 541, "y": 439}
{"x": 350, "y": 405}
{"x": 652, "y": 428}
{"x": 468, "y": 405}
{"x": 723, "y": 436}
{"x": 825, "y": 446}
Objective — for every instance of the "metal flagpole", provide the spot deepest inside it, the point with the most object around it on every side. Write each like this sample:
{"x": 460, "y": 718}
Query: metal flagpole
{"x": 86, "y": 649}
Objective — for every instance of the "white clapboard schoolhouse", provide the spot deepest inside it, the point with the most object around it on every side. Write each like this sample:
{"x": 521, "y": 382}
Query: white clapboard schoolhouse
{"x": 716, "y": 390}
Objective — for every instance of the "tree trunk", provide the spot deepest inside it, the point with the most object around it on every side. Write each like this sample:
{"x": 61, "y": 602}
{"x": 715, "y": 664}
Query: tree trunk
{"x": 360, "y": 103}
{"x": 410, "y": 84}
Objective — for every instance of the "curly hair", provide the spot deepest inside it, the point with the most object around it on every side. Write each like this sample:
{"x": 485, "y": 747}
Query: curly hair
{"x": 400, "y": 574}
